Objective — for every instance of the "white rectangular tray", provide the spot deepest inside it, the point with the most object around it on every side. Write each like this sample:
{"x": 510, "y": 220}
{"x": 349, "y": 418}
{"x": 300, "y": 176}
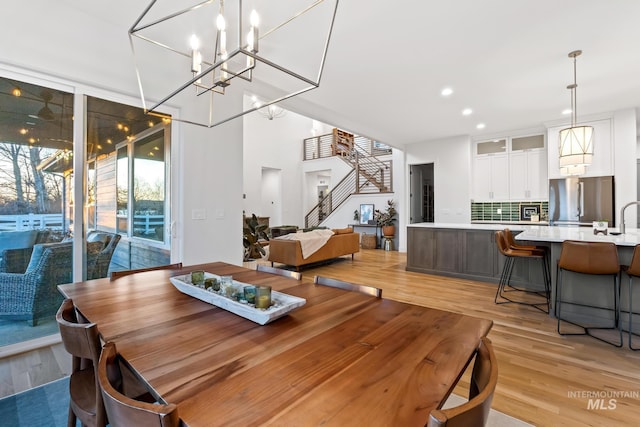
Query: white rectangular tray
{"x": 282, "y": 304}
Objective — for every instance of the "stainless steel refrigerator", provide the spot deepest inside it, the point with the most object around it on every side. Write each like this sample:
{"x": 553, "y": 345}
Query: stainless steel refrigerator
{"x": 580, "y": 201}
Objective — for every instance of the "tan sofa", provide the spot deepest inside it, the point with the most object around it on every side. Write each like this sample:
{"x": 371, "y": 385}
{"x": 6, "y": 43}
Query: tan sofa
{"x": 289, "y": 252}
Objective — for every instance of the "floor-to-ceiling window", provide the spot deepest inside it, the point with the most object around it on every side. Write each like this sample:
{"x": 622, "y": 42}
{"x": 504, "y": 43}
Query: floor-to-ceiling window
{"x": 124, "y": 180}
{"x": 130, "y": 150}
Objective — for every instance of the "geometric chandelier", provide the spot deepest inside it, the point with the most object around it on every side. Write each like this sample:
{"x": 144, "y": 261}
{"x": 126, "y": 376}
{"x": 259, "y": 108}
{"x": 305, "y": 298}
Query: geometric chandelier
{"x": 203, "y": 56}
{"x": 576, "y": 142}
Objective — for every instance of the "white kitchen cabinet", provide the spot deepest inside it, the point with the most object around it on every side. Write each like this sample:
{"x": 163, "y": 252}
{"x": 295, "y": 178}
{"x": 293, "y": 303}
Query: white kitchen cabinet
{"x": 491, "y": 178}
{"x": 528, "y": 175}
{"x": 528, "y": 168}
{"x": 602, "y": 164}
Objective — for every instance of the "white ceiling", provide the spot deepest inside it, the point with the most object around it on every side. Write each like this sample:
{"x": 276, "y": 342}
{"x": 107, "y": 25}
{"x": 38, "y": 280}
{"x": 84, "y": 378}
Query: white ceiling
{"x": 505, "y": 59}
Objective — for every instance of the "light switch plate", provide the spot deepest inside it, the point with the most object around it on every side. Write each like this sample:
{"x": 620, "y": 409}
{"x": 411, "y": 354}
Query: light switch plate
{"x": 198, "y": 214}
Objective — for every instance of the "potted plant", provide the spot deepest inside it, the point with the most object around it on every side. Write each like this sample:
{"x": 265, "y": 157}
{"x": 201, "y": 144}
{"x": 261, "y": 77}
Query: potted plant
{"x": 253, "y": 233}
{"x": 385, "y": 219}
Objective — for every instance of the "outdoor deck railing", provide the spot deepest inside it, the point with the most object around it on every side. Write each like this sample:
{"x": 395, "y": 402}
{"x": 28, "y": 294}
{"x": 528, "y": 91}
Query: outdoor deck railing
{"x": 30, "y": 222}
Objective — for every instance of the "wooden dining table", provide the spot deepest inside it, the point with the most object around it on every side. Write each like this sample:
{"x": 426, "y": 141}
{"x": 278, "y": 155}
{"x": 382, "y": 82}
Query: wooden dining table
{"x": 344, "y": 358}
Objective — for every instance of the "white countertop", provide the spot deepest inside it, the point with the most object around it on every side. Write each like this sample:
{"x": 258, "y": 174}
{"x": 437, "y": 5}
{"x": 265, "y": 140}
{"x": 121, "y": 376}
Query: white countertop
{"x": 585, "y": 234}
{"x": 515, "y": 226}
{"x": 544, "y": 233}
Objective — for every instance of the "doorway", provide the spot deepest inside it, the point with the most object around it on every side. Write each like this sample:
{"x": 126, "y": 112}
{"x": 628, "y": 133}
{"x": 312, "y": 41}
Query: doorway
{"x": 272, "y": 195}
{"x": 421, "y": 194}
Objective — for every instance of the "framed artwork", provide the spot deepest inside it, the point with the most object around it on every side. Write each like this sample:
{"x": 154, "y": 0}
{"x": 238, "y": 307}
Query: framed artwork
{"x": 527, "y": 210}
{"x": 366, "y": 214}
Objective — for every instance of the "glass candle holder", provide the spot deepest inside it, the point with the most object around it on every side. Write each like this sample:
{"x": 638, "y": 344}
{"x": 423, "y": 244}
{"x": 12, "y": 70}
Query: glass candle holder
{"x": 263, "y": 296}
{"x": 250, "y": 294}
{"x": 226, "y": 286}
{"x": 197, "y": 277}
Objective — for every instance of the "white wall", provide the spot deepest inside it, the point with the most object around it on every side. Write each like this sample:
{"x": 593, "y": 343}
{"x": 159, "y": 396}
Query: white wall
{"x": 451, "y": 160}
{"x": 275, "y": 144}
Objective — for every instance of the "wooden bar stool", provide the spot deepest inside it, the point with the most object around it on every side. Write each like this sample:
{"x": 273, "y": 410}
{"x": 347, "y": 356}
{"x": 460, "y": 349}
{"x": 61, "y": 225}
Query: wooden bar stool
{"x": 589, "y": 258}
{"x": 632, "y": 270}
{"x": 505, "y": 278}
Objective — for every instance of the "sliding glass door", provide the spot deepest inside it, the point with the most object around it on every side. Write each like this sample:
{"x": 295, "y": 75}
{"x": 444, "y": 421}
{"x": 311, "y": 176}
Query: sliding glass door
{"x": 124, "y": 181}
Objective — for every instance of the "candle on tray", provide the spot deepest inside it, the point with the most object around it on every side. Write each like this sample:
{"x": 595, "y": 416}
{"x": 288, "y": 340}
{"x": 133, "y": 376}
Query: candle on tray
{"x": 263, "y": 296}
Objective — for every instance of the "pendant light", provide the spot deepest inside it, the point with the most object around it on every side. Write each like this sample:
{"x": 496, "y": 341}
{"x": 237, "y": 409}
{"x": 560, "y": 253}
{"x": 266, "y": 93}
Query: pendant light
{"x": 576, "y": 142}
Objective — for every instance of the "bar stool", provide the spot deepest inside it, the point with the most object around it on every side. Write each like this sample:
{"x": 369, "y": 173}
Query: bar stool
{"x": 632, "y": 270}
{"x": 511, "y": 255}
{"x": 589, "y": 258}
{"x": 544, "y": 250}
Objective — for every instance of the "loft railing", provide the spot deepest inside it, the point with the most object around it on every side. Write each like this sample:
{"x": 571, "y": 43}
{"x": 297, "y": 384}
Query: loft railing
{"x": 323, "y": 146}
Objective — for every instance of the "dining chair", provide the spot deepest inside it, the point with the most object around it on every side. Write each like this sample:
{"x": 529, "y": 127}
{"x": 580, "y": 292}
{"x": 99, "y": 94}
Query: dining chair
{"x": 82, "y": 341}
{"x": 511, "y": 255}
{"x": 117, "y": 274}
{"x": 475, "y": 411}
{"x": 124, "y": 411}
{"x": 364, "y": 289}
{"x": 632, "y": 270}
{"x": 589, "y": 258}
{"x": 280, "y": 271}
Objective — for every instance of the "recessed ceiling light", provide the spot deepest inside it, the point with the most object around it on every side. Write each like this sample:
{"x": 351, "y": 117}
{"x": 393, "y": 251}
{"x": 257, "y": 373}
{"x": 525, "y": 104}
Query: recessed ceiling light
{"x": 566, "y": 111}
{"x": 467, "y": 111}
{"x": 446, "y": 91}
{"x": 480, "y": 126}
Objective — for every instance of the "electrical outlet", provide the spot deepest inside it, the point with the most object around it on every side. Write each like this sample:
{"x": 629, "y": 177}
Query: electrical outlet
{"x": 499, "y": 211}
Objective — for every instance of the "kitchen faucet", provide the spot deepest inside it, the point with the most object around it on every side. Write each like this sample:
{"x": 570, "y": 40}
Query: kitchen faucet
{"x": 622, "y": 214}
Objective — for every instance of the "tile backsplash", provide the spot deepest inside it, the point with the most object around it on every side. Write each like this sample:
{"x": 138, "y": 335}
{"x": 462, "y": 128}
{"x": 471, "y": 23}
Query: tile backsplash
{"x": 504, "y": 211}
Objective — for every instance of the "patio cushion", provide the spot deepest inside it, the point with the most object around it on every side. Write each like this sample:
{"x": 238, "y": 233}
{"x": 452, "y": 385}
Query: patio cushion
{"x": 38, "y": 250}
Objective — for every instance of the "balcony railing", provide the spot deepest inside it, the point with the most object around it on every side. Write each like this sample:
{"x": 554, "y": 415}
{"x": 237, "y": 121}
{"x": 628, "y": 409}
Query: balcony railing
{"x": 323, "y": 146}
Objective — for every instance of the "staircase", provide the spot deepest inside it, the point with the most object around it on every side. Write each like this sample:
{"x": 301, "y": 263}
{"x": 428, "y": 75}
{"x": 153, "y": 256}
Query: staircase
{"x": 369, "y": 174}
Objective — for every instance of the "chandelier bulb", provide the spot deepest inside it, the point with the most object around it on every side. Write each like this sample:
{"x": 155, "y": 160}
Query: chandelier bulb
{"x": 194, "y": 42}
{"x": 254, "y": 20}
{"x": 220, "y": 22}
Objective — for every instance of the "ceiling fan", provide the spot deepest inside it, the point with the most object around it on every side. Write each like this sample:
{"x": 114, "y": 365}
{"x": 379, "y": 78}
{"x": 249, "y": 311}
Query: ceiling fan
{"x": 45, "y": 112}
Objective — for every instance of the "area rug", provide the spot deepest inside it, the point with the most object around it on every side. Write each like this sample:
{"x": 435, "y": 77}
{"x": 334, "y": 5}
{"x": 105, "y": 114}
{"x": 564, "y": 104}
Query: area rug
{"x": 43, "y": 406}
{"x": 14, "y": 331}
{"x": 496, "y": 419}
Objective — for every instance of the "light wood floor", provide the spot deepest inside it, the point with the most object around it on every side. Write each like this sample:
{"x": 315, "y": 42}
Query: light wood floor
{"x": 538, "y": 369}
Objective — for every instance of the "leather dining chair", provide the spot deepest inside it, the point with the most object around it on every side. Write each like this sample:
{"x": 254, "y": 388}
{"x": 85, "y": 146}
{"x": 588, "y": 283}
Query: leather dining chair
{"x": 124, "y": 411}
{"x": 280, "y": 271}
{"x": 632, "y": 270}
{"x": 82, "y": 341}
{"x": 363, "y": 289}
{"x": 117, "y": 274}
{"x": 475, "y": 411}
{"x": 511, "y": 255}
{"x": 589, "y": 258}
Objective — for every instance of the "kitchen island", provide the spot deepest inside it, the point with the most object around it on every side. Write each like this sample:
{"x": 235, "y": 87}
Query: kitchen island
{"x": 587, "y": 289}
{"x": 467, "y": 250}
